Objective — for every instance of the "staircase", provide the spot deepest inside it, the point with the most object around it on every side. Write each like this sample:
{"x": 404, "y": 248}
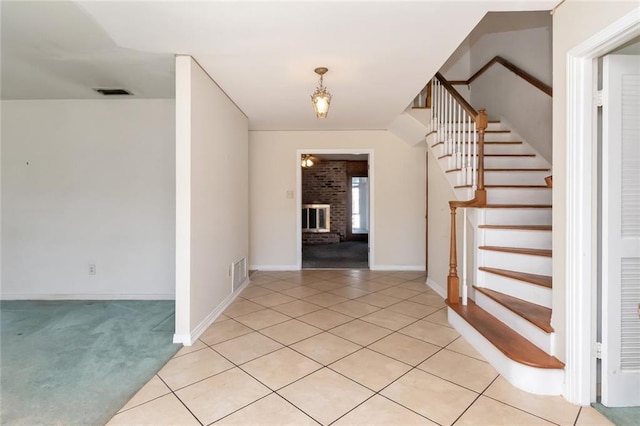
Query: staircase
{"x": 507, "y": 316}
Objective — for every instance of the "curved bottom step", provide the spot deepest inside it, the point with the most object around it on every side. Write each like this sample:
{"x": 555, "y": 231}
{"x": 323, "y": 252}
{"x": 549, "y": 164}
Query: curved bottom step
{"x": 527, "y": 367}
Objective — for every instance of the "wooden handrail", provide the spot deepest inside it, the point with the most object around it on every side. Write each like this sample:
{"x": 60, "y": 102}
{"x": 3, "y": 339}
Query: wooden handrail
{"x": 457, "y": 96}
{"x": 511, "y": 67}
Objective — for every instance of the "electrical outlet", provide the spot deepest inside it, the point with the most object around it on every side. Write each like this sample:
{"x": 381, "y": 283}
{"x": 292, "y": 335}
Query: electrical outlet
{"x": 92, "y": 269}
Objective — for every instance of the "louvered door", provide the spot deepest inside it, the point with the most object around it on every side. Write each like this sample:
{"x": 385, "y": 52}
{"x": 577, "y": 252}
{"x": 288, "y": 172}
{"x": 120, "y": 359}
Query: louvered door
{"x": 621, "y": 231}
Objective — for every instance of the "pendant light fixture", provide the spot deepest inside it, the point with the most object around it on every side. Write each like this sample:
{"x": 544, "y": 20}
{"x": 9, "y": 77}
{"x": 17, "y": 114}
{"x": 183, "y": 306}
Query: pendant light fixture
{"x": 321, "y": 98}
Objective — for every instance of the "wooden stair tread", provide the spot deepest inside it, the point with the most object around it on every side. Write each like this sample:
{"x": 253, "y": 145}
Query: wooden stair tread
{"x": 505, "y": 339}
{"x": 516, "y": 186}
{"x": 518, "y": 250}
{"x": 516, "y": 206}
{"x": 488, "y": 131}
{"x": 503, "y": 142}
{"x": 507, "y": 186}
{"x": 493, "y": 155}
{"x": 517, "y": 170}
{"x": 488, "y": 121}
{"x": 501, "y": 170}
{"x": 521, "y": 227}
{"x": 541, "y": 280}
{"x": 537, "y": 315}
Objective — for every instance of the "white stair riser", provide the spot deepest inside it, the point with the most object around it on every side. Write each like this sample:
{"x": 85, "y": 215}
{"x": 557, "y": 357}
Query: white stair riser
{"x": 540, "y": 265}
{"x": 514, "y": 162}
{"x": 454, "y": 161}
{"x": 457, "y": 177}
{"x": 507, "y": 149}
{"x": 515, "y": 177}
{"x": 519, "y": 216}
{"x": 523, "y": 290}
{"x": 464, "y": 193}
{"x": 500, "y": 137}
{"x": 540, "y": 381}
{"x": 519, "y": 196}
{"x": 465, "y": 126}
{"x": 515, "y": 238}
{"x": 523, "y": 327}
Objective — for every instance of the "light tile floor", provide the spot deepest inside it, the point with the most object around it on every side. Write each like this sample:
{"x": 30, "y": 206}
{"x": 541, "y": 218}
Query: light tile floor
{"x": 344, "y": 347}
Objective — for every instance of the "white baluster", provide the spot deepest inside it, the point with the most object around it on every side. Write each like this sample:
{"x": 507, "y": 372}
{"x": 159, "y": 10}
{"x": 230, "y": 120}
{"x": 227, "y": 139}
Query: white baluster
{"x": 464, "y": 257}
{"x": 474, "y": 169}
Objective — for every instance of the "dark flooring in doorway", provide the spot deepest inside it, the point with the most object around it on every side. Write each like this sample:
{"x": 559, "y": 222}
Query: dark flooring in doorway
{"x": 348, "y": 254}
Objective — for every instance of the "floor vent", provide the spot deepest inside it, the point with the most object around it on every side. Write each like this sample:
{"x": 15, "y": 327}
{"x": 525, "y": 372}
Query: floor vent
{"x": 238, "y": 273}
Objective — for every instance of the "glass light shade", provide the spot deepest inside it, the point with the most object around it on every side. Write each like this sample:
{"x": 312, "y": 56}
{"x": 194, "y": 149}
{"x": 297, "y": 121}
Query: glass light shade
{"x": 306, "y": 161}
{"x": 321, "y": 99}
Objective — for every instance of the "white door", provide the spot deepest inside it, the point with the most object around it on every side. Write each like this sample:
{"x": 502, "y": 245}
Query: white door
{"x": 621, "y": 231}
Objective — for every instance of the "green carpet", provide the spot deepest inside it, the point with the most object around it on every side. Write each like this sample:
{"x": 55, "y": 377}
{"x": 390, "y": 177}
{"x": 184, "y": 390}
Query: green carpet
{"x": 78, "y": 362}
{"x": 625, "y": 416}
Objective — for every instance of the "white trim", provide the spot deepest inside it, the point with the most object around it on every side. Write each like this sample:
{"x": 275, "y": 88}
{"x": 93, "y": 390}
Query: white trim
{"x": 183, "y": 194}
{"x": 541, "y": 381}
{"x": 441, "y": 290}
{"x": 581, "y": 206}
{"x": 274, "y": 267}
{"x": 298, "y": 203}
{"x": 118, "y": 296}
{"x": 400, "y": 268}
{"x": 189, "y": 339}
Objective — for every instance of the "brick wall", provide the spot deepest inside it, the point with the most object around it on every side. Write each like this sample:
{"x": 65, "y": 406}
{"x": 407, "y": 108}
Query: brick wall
{"x": 326, "y": 183}
{"x": 320, "y": 238}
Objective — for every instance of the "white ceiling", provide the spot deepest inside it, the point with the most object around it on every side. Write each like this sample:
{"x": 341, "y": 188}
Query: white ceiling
{"x": 262, "y": 54}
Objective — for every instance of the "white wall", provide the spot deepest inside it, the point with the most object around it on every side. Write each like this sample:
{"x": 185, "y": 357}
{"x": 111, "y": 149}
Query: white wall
{"x": 88, "y": 182}
{"x": 573, "y": 23}
{"x": 399, "y": 195}
{"x": 508, "y": 97}
{"x": 440, "y": 193}
{"x": 212, "y": 193}
{"x": 523, "y": 38}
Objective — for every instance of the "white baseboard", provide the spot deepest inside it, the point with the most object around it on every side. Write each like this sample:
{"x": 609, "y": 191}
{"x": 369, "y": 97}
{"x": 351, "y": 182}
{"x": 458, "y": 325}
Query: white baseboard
{"x": 442, "y": 291}
{"x": 401, "y": 268}
{"x": 189, "y": 339}
{"x": 274, "y": 267}
{"x": 118, "y": 296}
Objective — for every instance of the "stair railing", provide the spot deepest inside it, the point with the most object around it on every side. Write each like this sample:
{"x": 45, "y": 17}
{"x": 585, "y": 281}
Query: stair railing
{"x": 460, "y": 129}
{"x": 511, "y": 67}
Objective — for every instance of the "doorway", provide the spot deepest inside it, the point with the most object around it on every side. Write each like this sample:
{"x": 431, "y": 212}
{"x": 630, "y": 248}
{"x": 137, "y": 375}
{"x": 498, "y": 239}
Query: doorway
{"x": 335, "y": 192}
{"x": 579, "y": 300}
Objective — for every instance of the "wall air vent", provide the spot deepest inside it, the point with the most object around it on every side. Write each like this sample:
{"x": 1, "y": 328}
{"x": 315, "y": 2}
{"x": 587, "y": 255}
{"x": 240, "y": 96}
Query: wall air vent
{"x": 114, "y": 92}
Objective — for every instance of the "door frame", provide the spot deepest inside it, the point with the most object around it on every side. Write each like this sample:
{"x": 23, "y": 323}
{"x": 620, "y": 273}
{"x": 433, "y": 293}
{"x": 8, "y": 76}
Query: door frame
{"x": 298, "y": 203}
{"x": 581, "y": 214}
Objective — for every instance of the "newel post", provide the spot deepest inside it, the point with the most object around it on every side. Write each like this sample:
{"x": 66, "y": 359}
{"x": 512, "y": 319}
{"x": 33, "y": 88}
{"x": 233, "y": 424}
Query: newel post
{"x": 481, "y": 126}
{"x": 453, "y": 282}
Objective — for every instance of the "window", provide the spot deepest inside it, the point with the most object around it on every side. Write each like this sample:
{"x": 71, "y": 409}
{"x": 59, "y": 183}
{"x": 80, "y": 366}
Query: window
{"x": 360, "y": 205}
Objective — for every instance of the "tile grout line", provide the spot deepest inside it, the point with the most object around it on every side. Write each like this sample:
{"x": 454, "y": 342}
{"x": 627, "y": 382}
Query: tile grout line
{"x": 181, "y": 401}
{"x": 328, "y": 330}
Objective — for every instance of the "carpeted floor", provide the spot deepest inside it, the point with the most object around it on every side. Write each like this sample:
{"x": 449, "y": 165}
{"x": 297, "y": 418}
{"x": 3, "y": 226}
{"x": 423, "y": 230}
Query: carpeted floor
{"x": 348, "y": 254}
{"x": 79, "y": 362}
{"x": 625, "y": 416}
